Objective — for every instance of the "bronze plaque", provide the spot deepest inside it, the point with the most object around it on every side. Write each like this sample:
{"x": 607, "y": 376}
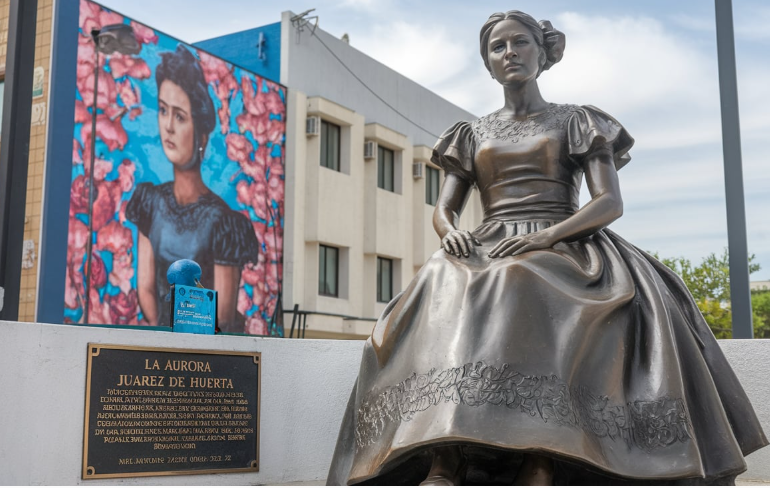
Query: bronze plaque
{"x": 156, "y": 411}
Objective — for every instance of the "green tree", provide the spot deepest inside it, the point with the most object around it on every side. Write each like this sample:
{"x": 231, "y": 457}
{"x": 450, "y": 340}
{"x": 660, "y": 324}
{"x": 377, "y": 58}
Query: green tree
{"x": 760, "y": 305}
{"x": 709, "y": 283}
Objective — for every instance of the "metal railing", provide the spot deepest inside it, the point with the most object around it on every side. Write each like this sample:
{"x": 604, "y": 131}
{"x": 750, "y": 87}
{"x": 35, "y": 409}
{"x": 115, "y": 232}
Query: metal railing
{"x": 299, "y": 319}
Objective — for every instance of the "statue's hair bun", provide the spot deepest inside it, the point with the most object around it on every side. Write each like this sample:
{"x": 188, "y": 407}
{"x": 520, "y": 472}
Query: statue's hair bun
{"x": 554, "y": 42}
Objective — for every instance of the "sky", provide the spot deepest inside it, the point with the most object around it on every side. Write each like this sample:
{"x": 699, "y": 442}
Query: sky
{"x": 651, "y": 64}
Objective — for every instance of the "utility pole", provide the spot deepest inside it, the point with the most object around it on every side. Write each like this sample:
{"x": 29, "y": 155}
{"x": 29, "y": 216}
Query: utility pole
{"x": 14, "y": 150}
{"x": 740, "y": 295}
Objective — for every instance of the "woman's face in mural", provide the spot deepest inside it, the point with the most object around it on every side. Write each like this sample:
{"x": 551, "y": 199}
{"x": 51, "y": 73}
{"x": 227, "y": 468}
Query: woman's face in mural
{"x": 177, "y": 132}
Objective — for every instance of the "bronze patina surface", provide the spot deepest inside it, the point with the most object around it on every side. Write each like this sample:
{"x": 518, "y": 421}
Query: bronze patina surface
{"x": 161, "y": 411}
{"x": 541, "y": 347}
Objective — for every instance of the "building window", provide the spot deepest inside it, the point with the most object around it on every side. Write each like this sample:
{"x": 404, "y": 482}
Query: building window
{"x": 384, "y": 168}
{"x": 431, "y": 185}
{"x": 330, "y": 145}
{"x": 328, "y": 271}
{"x": 384, "y": 279}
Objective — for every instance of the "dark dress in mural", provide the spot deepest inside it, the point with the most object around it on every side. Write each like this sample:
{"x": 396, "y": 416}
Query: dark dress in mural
{"x": 207, "y": 231}
{"x": 591, "y": 351}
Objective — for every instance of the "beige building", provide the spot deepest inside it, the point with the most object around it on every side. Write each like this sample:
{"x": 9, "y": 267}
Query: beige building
{"x": 354, "y": 237}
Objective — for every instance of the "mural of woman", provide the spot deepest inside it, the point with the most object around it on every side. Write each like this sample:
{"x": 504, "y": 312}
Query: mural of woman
{"x": 183, "y": 218}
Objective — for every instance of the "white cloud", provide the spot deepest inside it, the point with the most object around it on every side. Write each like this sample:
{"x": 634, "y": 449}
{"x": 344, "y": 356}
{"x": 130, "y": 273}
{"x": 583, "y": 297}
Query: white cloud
{"x": 693, "y": 23}
{"x": 753, "y": 25}
{"x": 633, "y": 66}
{"x": 425, "y": 53}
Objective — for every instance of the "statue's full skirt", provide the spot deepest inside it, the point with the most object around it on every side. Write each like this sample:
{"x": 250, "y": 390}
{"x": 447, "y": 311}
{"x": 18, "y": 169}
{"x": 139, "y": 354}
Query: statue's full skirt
{"x": 591, "y": 352}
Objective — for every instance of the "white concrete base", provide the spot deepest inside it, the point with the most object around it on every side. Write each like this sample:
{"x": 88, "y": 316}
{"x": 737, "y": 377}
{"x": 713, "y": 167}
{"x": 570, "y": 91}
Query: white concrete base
{"x": 305, "y": 387}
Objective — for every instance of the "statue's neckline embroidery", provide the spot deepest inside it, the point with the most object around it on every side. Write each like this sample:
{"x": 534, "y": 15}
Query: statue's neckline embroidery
{"x": 493, "y": 126}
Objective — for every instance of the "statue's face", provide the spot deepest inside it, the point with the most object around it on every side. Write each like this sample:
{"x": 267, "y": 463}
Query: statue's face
{"x": 513, "y": 53}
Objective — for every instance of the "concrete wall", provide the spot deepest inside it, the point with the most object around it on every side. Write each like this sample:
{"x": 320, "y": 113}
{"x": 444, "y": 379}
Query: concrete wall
{"x": 305, "y": 387}
{"x": 750, "y": 359}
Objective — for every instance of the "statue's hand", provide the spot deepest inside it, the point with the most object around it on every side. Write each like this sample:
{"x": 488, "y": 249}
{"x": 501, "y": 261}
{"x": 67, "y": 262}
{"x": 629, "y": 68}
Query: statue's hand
{"x": 459, "y": 243}
{"x": 512, "y": 246}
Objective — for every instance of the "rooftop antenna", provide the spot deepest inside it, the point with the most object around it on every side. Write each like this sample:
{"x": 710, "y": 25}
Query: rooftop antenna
{"x": 300, "y": 21}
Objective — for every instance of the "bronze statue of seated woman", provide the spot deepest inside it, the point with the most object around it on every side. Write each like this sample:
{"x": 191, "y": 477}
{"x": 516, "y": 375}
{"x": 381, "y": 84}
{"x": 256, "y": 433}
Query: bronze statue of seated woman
{"x": 541, "y": 347}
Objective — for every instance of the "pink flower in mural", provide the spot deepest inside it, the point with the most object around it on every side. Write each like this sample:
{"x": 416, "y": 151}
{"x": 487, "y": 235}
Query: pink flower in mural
{"x": 275, "y": 131}
{"x": 123, "y": 307}
{"x": 130, "y": 98}
{"x": 105, "y": 206}
{"x": 89, "y": 16}
{"x": 98, "y": 271}
{"x": 82, "y": 115}
{"x": 256, "y": 326}
{"x": 274, "y": 252}
{"x": 79, "y": 196}
{"x": 101, "y": 169}
{"x": 114, "y": 238}
{"x": 257, "y": 117}
{"x": 122, "y": 65}
{"x": 238, "y": 148}
{"x": 220, "y": 75}
{"x": 71, "y": 294}
{"x": 109, "y": 18}
{"x": 244, "y": 301}
{"x": 256, "y": 124}
{"x": 144, "y": 34}
{"x": 215, "y": 70}
{"x": 271, "y": 275}
{"x": 77, "y": 237}
{"x": 122, "y": 212}
{"x": 274, "y": 103}
{"x": 255, "y": 167}
{"x": 254, "y": 196}
{"x": 252, "y": 101}
{"x": 93, "y": 17}
{"x": 76, "y": 157}
{"x": 111, "y": 132}
{"x": 86, "y": 59}
{"x": 99, "y": 312}
{"x": 122, "y": 271}
{"x": 107, "y": 91}
{"x": 253, "y": 274}
{"x": 126, "y": 175}
{"x": 275, "y": 187}
{"x": 260, "y": 230}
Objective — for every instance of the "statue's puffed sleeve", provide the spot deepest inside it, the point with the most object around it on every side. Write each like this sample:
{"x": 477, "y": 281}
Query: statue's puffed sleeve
{"x": 454, "y": 151}
{"x": 590, "y": 129}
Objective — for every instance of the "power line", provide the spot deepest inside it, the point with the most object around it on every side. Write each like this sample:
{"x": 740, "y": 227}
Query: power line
{"x": 369, "y": 88}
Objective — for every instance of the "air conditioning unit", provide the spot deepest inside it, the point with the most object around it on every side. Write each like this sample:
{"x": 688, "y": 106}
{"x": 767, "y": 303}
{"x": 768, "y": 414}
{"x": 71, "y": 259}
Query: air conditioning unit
{"x": 370, "y": 149}
{"x": 417, "y": 170}
{"x": 313, "y": 126}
